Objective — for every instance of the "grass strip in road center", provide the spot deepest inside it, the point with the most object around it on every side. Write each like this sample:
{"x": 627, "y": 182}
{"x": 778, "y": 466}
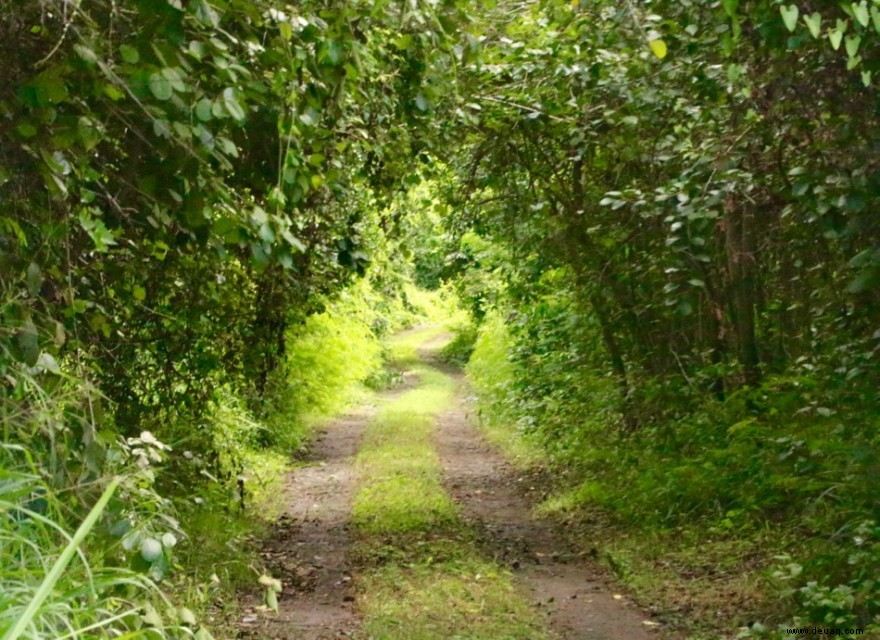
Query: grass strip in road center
{"x": 399, "y": 468}
{"x": 423, "y": 576}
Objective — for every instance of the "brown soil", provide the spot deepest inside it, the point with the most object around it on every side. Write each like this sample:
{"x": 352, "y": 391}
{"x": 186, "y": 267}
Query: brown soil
{"x": 497, "y": 500}
{"x": 308, "y": 550}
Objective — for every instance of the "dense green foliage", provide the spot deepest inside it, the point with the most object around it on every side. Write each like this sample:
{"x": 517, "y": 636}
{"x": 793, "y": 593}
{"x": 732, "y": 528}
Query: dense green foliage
{"x": 659, "y": 214}
{"x": 184, "y": 185}
{"x": 685, "y": 238}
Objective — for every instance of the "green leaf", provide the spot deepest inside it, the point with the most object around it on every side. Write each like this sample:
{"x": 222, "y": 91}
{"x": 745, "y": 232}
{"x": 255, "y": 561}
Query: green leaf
{"x": 85, "y": 53}
{"x": 659, "y": 48}
{"x": 204, "y": 110}
{"x": 129, "y": 54}
{"x": 26, "y": 130}
{"x": 98, "y": 232}
{"x": 197, "y": 49}
{"x": 330, "y": 51}
{"x": 183, "y": 131}
{"x": 310, "y": 117}
{"x": 34, "y": 278}
{"x": 875, "y": 17}
{"x": 48, "y": 363}
{"x": 285, "y": 29}
{"x": 28, "y": 342}
{"x": 112, "y": 92}
{"x": 230, "y": 101}
{"x": 56, "y": 162}
{"x": 151, "y": 617}
{"x": 860, "y": 11}
{"x": 227, "y": 146}
{"x": 790, "y": 15}
{"x": 272, "y": 600}
{"x": 206, "y": 14}
{"x": 292, "y": 240}
{"x": 173, "y": 76}
{"x": 814, "y": 24}
{"x": 161, "y": 128}
{"x": 151, "y": 549}
{"x": 88, "y": 133}
{"x": 160, "y": 86}
{"x": 730, "y": 7}
{"x": 852, "y": 45}
{"x": 402, "y": 42}
{"x": 187, "y": 617}
{"x": 273, "y": 584}
{"x": 266, "y": 233}
{"x": 60, "y": 335}
{"x": 864, "y": 282}
{"x": 866, "y": 78}
{"x": 48, "y": 88}
{"x": 836, "y": 37}
{"x": 852, "y": 63}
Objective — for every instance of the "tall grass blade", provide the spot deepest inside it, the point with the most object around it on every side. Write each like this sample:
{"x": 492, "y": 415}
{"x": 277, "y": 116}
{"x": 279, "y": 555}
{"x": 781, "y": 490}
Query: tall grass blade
{"x": 61, "y": 564}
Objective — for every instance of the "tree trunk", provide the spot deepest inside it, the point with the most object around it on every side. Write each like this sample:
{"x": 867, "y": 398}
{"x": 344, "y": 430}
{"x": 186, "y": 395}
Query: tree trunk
{"x": 740, "y": 242}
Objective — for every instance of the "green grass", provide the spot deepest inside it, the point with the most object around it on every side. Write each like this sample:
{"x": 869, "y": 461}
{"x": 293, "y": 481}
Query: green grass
{"x": 424, "y": 578}
{"x": 567, "y": 501}
{"x": 464, "y": 598}
{"x": 399, "y": 468}
{"x": 403, "y": 348}
{"x": 519, "y": 449}
{"x": 491, "y": 374}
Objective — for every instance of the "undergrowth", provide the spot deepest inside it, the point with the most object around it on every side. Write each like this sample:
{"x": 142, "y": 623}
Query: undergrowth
{"x": 83, "y": 552}
{"x": 491, "y": 372}
{"x": 167, "y": 554}
{"x": 719, "y": 513}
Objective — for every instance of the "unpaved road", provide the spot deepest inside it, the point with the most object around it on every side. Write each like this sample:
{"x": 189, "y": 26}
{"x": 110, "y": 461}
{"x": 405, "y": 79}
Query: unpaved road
{"x": 309, "y": 550}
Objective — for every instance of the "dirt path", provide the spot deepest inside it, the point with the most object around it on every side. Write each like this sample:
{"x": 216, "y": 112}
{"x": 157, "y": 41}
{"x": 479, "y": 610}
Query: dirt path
{"x": 493, "y": 498}
{"x": 310, "y": 546}
{"x": 309, "y": 549}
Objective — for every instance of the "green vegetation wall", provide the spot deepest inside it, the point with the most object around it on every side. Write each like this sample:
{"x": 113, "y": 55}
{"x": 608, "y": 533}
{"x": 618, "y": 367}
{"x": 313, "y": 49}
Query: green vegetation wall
{"x": 674, "y": 205}
{"x": 184, "y": 185}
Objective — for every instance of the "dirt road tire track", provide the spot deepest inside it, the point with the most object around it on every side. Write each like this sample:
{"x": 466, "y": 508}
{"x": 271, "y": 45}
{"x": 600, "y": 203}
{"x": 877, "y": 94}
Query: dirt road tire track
{"x": 310, "y": 544}
{"x": 491, "y": 495}
{"x": 310, "y": 547}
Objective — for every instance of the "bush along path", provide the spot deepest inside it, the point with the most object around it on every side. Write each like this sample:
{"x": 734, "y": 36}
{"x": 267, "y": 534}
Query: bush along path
{"x": 425, "y": 533}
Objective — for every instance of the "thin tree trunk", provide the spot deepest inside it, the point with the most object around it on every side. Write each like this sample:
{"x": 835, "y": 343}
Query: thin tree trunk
{"x": 739, "y": 224}
{"x": 618, "y": 366}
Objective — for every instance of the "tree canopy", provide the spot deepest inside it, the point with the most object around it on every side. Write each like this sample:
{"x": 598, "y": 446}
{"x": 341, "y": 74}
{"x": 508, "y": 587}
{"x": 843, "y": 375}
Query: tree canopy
{"x": 660, "y": 214}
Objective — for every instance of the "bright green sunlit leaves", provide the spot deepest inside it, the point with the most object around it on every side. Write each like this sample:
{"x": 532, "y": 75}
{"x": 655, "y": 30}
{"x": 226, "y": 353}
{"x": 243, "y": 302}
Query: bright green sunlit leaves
{"x": 659, "y": 48}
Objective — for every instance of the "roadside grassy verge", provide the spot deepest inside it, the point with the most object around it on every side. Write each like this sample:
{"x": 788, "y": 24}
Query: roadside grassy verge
{"x": 490, "y": 375}
{"x": 705, "y": 575}
{"x": 423, "y": 576}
